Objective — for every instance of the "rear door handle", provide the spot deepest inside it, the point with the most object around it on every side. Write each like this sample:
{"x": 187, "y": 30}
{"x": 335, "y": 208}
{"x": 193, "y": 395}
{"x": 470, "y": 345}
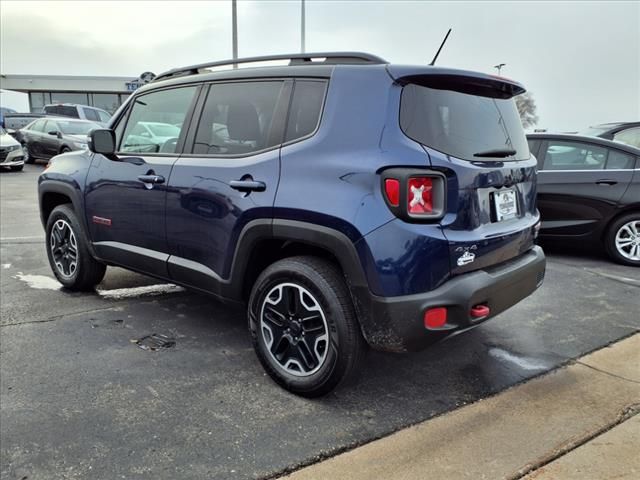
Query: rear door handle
{"x": 606, "y": 182}
{"x": 151, "y": 179}
{"x": 248, "y": 185}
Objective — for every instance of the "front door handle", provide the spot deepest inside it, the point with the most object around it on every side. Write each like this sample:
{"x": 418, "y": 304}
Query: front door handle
{"x": 606, "y": 182}
{"x": 151, "y": 179}
{"x": 248, "y": 185}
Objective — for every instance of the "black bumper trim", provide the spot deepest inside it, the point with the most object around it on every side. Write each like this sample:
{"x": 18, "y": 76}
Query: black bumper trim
{"x": 396, "y": 323}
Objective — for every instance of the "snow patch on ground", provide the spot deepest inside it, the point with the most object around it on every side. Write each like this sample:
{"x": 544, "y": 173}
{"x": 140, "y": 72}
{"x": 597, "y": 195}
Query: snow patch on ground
{"x": 6, "y": 266}
{"x": 39, "y": 282}
{"x": 122, "y": 293}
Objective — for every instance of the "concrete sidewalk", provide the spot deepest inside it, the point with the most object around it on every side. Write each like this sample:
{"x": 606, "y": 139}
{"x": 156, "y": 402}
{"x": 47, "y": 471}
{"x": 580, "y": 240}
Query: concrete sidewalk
{"x": 575, "y": 422}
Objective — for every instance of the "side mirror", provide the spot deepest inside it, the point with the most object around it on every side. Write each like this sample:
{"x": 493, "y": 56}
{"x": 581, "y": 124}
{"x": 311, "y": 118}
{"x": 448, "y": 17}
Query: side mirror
{"x": 53, "y": 133}
{"x": 102, "y": 140}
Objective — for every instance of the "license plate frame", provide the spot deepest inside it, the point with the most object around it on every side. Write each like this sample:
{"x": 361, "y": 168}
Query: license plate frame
{"x": 505, "y": 203}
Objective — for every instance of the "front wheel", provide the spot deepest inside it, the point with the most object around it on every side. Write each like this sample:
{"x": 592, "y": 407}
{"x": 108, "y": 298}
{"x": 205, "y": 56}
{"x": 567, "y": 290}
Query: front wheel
{"x": 16, "y": 168}
{"x": 303, "y": 326}
{"x": 622, "y": 240}
{"x": 69, "y": 257}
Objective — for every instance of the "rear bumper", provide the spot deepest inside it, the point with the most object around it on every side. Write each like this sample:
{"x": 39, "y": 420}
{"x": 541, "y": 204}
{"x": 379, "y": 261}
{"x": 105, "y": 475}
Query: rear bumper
{"x": 396, "y": 323}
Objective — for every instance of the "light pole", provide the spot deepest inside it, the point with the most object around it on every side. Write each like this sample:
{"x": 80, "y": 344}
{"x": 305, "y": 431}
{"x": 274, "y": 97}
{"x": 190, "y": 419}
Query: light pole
{"x": 302, "y": 26}
{"x": 499, "y": 67}
{"x": 234, "y": 31}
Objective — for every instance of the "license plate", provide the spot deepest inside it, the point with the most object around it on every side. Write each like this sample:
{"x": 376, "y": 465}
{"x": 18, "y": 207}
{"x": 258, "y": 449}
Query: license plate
{"x": 506, "y": 205}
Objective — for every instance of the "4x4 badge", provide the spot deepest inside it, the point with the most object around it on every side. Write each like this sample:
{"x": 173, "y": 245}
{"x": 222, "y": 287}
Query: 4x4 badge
{"x": 466, "y": 258}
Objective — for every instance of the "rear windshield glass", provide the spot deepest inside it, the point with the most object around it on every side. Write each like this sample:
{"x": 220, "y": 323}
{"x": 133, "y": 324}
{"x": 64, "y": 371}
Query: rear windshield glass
{"x": 64, "y": 110}
{"x": 462, "y": 125}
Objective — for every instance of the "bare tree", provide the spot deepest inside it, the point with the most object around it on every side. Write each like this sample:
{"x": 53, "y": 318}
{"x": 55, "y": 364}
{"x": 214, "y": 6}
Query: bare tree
{"x": 527, "y": 109}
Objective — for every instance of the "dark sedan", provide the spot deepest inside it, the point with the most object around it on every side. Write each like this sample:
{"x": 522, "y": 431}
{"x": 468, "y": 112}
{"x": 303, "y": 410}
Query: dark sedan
{"x": 589, "y": 192}
{"x": 49, "y": 136}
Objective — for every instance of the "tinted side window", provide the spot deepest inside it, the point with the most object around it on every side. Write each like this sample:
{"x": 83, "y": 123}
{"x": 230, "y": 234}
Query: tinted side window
{"x": 104, "y": 117}
{"x": 237, "y": 118}
{"x": 50, "y": 126}
{"x": 561, "y": 155}
{"x": 91, "y": 114}
{"x": 306, "y": 107}
{"x": 620, "y": 160}
{"x": 164, "y": 111}
{"x": 37, "y": 126}
{"x": 630, "y": 137}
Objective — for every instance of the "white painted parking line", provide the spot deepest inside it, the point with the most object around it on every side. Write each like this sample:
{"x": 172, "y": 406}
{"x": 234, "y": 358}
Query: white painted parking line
{"x": 13, "y": 239}
{"x": 133, "y": 292}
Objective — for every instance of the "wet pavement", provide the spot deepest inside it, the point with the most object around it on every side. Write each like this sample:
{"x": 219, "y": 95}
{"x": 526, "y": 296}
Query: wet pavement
{"x": 80, "y": 399}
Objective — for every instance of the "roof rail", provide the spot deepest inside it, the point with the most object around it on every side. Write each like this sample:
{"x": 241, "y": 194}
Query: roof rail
{"x": 330, "y": 58}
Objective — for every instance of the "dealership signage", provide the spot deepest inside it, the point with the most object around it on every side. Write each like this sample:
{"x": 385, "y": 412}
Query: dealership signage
{"x": 143, "y": 79}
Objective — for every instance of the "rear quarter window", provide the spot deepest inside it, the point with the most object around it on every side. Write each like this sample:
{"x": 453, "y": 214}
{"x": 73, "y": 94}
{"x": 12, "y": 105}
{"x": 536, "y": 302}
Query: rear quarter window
{"x": 306, "y": 108}
{"x": 462, "y": 125}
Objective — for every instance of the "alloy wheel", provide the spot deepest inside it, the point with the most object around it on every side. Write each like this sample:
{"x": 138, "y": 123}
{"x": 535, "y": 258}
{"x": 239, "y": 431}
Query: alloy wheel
{"x": 294, "y": 329}
{"x": 628, "y": 240}
{"x": 64, "y": 248}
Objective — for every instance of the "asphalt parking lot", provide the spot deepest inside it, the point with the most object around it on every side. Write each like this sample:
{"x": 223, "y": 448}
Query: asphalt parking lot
{"x": 79, "y": 399}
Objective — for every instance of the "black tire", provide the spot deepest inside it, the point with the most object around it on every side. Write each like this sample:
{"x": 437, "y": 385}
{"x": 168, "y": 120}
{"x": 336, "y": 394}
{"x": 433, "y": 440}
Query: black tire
{"x": 65, "y": 150}
{"x": 16, "y": 168}
{"x": 28, "y": 158}
{"x": 624, "y": 231}
{"x": 88, "y": 272}
{"x": 326, "y": 290}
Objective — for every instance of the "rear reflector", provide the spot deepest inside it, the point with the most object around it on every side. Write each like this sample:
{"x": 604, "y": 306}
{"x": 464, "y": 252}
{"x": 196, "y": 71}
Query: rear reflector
{"x": 420, "y": 196}
{"x": 435, "y": 317}
{"x": 479, "y": 311}
{"x": 392, "y": 189}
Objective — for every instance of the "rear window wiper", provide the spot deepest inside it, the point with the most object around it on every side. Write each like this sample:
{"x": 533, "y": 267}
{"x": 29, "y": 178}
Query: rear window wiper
{"x": 497, "y": 152}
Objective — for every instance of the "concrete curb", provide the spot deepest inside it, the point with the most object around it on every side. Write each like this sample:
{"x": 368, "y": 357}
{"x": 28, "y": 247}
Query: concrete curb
{"x": 509, "y": 435}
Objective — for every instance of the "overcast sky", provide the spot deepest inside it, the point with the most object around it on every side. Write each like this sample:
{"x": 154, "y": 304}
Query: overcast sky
{"x": 581, "y": 60}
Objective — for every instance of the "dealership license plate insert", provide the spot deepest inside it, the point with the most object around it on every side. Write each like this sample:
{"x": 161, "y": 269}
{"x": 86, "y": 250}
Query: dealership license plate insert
{"x": 506, "y": 205}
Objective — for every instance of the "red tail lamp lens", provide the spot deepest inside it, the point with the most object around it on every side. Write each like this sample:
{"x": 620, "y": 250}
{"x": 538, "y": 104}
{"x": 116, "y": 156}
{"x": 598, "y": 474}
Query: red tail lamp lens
{"x": 435, "y": 317}
{"x": 420, "y": 196}
{"x": 392, "y": 189}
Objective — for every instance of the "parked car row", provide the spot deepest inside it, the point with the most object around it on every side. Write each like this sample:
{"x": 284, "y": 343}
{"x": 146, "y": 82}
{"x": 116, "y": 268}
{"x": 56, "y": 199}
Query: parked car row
{"x": 589, "y": 192}
{"x": 50, "y": 136}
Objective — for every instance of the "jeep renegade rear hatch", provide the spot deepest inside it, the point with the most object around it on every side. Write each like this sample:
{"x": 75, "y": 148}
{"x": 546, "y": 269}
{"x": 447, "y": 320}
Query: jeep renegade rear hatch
{"x": 463, "y": 114}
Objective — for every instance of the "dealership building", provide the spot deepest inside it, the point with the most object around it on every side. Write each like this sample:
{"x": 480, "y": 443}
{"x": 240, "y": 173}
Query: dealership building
{"x": 107, "y": 93}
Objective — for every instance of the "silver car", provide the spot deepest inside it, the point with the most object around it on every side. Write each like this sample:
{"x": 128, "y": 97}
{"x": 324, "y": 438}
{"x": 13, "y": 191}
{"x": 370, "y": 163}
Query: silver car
{"x": 11, "y": 153}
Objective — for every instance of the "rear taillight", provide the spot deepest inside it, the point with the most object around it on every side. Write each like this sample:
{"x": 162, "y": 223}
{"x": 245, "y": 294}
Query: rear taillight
{"x": 420, "y": 195}
{"x": 414, "y": 195}
{"x": 392, "y": 189}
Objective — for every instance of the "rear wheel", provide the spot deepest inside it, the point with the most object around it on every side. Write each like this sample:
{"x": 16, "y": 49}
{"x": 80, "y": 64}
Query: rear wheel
{"x": 622, "y": 240}
{"x": 69, "y": 257}
{"x": 16, "y": 168}
{"x": 65, "y": 150}
{"x": 303, "y": 326}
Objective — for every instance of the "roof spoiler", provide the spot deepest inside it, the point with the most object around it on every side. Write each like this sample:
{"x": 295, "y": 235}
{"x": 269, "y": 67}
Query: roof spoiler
{"x": 472, "y": 83}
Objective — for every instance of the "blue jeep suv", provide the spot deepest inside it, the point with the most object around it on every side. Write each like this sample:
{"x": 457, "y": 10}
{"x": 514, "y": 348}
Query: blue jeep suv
{"x": 345, "y": 200}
